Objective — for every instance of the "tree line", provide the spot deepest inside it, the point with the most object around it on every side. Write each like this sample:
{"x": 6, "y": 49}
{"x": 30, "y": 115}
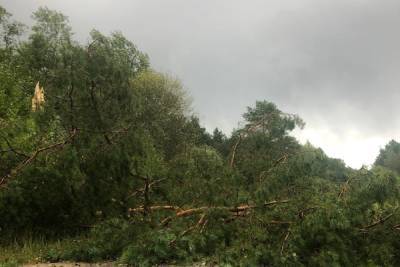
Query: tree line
{"x": 107, "y": 156}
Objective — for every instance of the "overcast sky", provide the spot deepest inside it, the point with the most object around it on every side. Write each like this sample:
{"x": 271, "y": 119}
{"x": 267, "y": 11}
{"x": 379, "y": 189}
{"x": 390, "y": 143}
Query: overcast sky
{"x": 336, "y": 63}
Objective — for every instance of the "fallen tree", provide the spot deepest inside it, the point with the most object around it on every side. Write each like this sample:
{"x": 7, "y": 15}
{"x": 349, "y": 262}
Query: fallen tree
{"x": 240, "y": 210}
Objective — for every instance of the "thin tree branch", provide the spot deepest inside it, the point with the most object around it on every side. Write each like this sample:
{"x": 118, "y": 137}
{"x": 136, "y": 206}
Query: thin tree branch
{"x": 33, "y": 156}
{"x": 276, "y": 163}
{"x": 376, "y": 223}
{"x": 12, "y": 149}
{"x": 284, "y": 241}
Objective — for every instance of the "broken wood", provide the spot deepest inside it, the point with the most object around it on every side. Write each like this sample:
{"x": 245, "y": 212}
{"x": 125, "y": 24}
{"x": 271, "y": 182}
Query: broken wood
{"x": 345, "y": 188}
{"x": 179, "y": 213}
{"x": 198, "y": 225}
{"x": 285, "y": 241}
{"x": 165, "y": 207}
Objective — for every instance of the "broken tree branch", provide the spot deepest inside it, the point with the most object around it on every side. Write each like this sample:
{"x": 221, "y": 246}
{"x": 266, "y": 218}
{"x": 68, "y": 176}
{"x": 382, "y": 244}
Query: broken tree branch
{"x": 234, "y": 150}
{"x": 166, "y": 207}
{"x": 284, "y": 241}
{"x": 198, "y": 225}
{"x": 179, "y": 213}
{"x": 345, "y": 188}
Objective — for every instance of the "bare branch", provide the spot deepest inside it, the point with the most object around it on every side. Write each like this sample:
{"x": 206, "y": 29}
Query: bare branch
{"x": 234, "y": 150}
{"x": 242, "y": 209}
{"x": 198, "y": 225}
{"x": 284, "y": 241}
{"x": 345, "y": 188}
{"x": 166, "y": 207}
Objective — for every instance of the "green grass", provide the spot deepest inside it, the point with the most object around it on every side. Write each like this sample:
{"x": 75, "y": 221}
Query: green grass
{"x": 28, "y": 250}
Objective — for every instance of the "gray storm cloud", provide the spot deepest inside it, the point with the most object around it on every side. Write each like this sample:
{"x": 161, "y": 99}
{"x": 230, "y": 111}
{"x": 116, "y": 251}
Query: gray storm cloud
{"x": 335, "y": 63}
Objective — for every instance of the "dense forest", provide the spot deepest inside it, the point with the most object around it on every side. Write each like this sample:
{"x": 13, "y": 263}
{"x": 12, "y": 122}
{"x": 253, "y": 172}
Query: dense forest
{"x": 103, "y": 159}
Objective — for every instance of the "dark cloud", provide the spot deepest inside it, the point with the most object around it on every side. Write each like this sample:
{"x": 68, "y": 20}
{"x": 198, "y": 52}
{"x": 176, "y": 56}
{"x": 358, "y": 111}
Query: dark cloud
{"x": 336, "y": 63}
